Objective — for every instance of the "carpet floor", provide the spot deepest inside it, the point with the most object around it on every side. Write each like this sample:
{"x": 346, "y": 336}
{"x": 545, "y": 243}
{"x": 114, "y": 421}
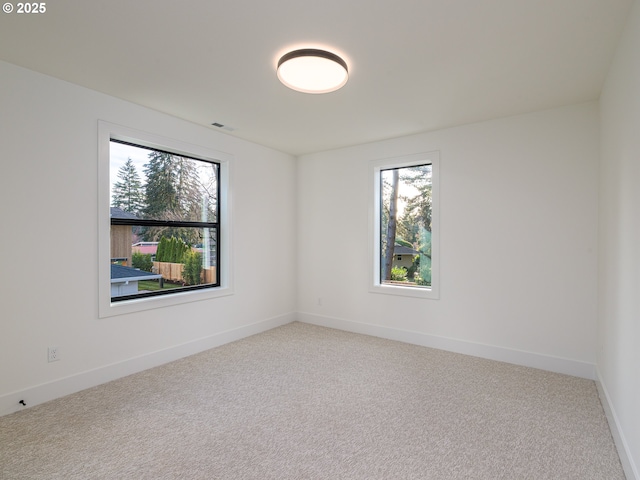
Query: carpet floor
{"x": 307, "y": 402}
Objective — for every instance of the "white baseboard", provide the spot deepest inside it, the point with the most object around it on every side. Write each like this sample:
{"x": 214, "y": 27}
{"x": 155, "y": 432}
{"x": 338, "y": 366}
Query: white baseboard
{"x": 630, "y": 469}
{"x": 58, "y": 388}
{"x": 517, "y": 357}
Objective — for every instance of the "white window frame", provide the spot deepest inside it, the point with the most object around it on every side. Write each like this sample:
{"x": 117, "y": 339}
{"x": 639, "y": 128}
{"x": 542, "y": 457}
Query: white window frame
{"x": 375, "y": 167}
{"x": 108, "y": 131}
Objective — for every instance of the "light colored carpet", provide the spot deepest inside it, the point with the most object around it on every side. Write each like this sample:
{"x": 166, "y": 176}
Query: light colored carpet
{"x": 306, "y": 402}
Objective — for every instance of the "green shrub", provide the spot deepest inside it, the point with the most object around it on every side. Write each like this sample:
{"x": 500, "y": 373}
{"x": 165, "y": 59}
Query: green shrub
{"x": 192, "y": 267}
{"x": 399, "y": 274}
{"x": 142, "y": 261}
{"x": 425, "y": 270}
{"x": 171, "y": 250}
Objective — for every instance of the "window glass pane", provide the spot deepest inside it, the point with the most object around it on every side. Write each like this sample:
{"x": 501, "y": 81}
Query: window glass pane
{"x": 155, "y": 185}
{"x": 405, "y": 226}
{"x": 142, "y": 268}
{"x": 174, "y": 198}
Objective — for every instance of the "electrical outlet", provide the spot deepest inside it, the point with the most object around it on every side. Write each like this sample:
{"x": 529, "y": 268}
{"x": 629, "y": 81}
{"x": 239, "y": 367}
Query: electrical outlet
{"x": 54, "y": 354}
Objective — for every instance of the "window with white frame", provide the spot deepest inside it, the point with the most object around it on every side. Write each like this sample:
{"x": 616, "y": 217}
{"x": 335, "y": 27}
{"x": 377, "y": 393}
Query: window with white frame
{"x": 404, "y": 230}
{"x": 164, "y": 212}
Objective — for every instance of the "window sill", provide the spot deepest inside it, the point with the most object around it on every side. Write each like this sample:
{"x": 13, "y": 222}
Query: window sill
{"x": 405, "y": 291}
{"x": 141, "y": 304}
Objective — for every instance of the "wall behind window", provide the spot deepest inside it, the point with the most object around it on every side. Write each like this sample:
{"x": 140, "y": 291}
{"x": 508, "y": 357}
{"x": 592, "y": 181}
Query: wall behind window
{"x": 518, "y": 236}
{"x": 48, "y": 193}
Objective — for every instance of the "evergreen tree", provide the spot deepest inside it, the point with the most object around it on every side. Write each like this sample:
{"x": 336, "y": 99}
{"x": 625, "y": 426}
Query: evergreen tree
{"x": 173, "y": 193}
{"x": 189, "y": 189}
{"x": 418, "y": 205}
{"x": 128, "y": 193}
{"x": 171, "y": 250}
{"x": 160, "y": 188}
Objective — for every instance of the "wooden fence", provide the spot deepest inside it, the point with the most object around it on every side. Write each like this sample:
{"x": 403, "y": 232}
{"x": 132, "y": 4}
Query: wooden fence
{"x": 173, "y": 272}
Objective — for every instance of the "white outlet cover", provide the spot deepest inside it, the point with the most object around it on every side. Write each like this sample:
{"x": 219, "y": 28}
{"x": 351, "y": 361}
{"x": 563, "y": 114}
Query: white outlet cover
{"x": 54, "y": 354}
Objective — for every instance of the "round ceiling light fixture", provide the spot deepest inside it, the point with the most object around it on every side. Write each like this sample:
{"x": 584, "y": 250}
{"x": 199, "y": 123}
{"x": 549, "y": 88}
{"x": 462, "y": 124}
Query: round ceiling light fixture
{"x": 309, "y": 70}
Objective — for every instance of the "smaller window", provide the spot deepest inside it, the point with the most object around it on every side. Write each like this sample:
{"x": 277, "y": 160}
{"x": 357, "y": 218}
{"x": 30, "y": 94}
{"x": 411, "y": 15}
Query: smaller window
{"x": 405, "y": 227}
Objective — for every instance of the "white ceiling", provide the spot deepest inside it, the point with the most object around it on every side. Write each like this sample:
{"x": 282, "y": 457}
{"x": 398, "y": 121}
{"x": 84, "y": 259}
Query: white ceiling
{"x": 415, "y": 65}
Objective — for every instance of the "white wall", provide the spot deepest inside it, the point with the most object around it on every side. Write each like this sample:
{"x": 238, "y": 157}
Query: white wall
{"x": 518, "y": 241}
{"x": 619, "y": 252}
{"x": 49, "y": 240}
{"x": 518, "y": 234}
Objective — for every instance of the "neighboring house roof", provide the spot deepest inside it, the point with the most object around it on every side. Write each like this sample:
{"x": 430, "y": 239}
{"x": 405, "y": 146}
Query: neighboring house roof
{"x": 116, "y": 212}
{"x": 120, "y": 273}
{"x": 402, "y": 250}
{"x": 146, "y": 247}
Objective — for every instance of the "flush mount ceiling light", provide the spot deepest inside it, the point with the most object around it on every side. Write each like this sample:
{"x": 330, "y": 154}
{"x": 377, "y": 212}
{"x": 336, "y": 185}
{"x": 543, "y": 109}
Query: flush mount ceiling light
{"x": 312, "y": 71}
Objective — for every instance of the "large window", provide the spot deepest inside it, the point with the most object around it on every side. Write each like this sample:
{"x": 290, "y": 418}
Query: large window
{"x": 405, "y": 236}
{"x": 166, "y": 221}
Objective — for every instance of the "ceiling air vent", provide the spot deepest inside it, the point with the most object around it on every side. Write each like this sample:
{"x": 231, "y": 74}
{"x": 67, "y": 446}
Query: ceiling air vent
{"x": 223, "y": 127}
